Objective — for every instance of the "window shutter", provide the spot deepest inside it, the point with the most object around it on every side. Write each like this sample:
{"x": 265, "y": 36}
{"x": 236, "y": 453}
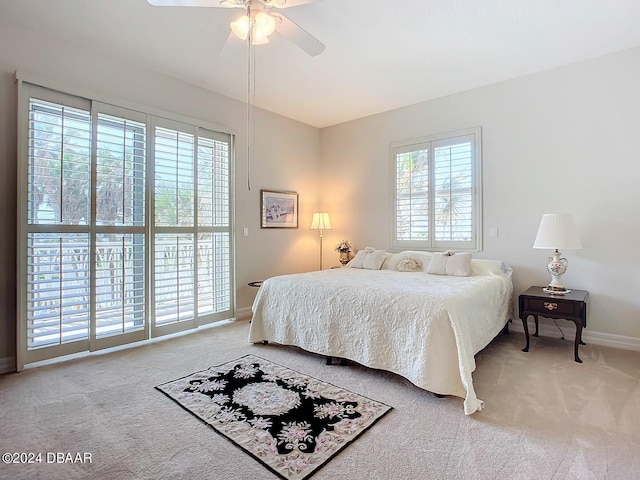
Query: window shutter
{"x": 59, "y": 164}
{"x": 58, "y": 186}
{"x": 174, "y": 177}
{"x": 192, "y": 264}
{"x": 436, "y": 197}
{"x": 453, "y": 192}
{"x": 120, "y": 199}
{"x": 57, "y": 288}
{"x": 120, "y": 172}
{"x": 214, "y": 254}
{"x": 412, "y": 199}
{"x": 94, "y": 271}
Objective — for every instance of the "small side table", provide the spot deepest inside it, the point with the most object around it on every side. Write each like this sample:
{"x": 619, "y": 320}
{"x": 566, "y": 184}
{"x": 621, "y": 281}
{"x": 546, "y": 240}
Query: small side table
{"x": 571, "y": 306}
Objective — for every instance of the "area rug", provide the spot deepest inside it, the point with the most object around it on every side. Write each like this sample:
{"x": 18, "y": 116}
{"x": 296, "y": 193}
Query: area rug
{"x": 290, "y": 422}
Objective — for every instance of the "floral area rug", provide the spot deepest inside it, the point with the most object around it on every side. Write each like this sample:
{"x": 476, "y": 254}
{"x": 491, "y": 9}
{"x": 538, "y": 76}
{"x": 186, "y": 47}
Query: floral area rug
{"x": 290, "y": 422}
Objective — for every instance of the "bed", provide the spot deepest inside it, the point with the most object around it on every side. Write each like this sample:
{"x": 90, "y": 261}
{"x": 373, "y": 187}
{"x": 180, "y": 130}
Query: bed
{"x": 424, "y": 327}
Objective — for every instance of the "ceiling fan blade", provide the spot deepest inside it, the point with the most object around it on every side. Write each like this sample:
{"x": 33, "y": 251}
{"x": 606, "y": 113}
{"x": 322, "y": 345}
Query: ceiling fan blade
{"x": 298, "y": 35}
{"x": 286, "y": 3}
{"x": 226, "y": 3}
{"x": 192, "y": 3}
{"x": 232, "y": 48}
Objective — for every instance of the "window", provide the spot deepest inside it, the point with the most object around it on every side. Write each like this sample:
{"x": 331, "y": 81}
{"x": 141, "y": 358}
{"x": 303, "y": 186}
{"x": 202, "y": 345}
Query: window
{"x": 124, "y": 225}
{"x": 191, "y": 224}
{"x": 436, "y": 193}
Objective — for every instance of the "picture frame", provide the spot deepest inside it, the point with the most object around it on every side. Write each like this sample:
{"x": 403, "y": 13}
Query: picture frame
{"x": 279, "y": 209}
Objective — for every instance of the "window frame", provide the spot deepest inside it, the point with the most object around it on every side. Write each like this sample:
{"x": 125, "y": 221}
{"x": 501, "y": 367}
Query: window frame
{"x": 428, "y": 142}
{"x": 28, "y": 87}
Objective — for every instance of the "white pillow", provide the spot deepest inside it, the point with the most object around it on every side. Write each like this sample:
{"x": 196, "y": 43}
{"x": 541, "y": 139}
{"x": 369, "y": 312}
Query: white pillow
{"x": 393, "y": 259}
{"x": 481, "y": 267}
{"x": 450, "y": 263}
{"x": 369, "y": 259}
{"x": 409, "y": 264}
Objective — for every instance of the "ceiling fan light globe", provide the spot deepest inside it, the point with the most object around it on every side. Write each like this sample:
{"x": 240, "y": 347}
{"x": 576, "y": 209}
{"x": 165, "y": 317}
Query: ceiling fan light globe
{"x": 240, "y": 27}
{"x": 265, "y": 23}
{"x": 257, "y": 38}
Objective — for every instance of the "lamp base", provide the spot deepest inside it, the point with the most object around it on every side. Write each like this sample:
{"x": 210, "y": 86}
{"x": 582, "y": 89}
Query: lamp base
{"x": 556, "y": 266}
{"x": 555, "y": 291}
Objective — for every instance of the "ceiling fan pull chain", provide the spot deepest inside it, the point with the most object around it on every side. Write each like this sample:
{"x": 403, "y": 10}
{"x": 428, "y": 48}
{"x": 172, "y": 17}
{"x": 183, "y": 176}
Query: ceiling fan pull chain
{"x": 249, "y": 76}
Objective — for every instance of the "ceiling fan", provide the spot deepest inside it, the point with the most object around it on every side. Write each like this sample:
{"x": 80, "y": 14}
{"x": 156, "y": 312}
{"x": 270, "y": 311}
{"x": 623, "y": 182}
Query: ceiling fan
{"x": 260, "y": 19}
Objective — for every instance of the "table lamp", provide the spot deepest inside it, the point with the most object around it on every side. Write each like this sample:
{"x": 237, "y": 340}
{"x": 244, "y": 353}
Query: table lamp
{"x": 556, "y": 231}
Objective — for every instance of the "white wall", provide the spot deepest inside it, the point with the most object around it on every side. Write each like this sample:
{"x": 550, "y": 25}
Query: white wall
{"x": 564, "y": 140}
{"x": 286, "y": 157}
{"x": 580, "y": 121}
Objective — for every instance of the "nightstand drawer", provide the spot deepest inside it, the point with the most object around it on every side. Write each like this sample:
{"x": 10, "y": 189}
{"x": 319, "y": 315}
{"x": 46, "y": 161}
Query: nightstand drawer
{"x": 551, "y": 305}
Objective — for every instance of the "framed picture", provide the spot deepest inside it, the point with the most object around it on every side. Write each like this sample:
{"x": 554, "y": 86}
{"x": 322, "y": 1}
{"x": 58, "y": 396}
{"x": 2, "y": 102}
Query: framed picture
{"x": 279, "y": 209}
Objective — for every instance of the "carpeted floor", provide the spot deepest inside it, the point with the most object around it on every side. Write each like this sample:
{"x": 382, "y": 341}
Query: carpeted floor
{"x": 546, "y": 417}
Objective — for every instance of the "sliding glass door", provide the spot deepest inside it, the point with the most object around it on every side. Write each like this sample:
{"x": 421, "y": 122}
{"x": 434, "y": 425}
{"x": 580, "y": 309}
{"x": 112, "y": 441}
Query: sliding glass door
{"x": 191, "y": 227}
{"x": 124, "y": 225}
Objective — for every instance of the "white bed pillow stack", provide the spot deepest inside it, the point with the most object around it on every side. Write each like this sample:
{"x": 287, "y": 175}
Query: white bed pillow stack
{"x": 369, "y": 259}
{"x": 450, "y": 263}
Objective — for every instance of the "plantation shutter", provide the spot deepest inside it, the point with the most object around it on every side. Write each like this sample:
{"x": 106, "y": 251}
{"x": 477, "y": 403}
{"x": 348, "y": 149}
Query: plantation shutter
{"x": 214, "y": 223}
{"x": 57, "y": 213}
{"x": 436, "y": 196}
{"x": 174, "y": 237}
{"x": 412, "y": 198}
{"x": 120, "y": 245}
{"x": 453, "y": 193}
{"x": 124, "y": 225}
{"x": 192, "y": 231}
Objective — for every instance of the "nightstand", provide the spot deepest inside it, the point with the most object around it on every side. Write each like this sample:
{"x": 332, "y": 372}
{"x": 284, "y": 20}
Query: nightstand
{"x": 572, "y": 307}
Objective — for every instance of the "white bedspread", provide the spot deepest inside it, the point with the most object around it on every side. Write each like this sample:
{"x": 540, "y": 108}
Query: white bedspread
{"x": 424, "y": 327}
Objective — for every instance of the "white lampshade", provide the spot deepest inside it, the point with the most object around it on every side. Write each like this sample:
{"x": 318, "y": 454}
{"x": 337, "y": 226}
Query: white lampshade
{"x": 557, "y": 231}
{"x": 320, "y": 221}
{"x": 265, "y": 23}
{"x": 240, "y": 27}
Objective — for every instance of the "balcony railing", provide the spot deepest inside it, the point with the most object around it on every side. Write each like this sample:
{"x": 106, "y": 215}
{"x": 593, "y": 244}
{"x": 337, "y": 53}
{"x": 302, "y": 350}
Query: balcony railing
{"x": 59, "y": 296}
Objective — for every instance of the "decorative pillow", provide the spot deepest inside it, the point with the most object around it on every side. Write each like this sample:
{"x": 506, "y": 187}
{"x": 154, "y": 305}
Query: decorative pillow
{"x": 480, "y": 267}
{"x": 369, "y": 258}
{"x": 410, "y": 265}
{"x": 450, "y": 263}
{"x": 393, "y": 259}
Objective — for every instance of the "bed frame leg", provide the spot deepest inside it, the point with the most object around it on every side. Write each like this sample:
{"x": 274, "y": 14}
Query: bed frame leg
{"x": 343, "y": 361}
{"x": 505, "y": 329}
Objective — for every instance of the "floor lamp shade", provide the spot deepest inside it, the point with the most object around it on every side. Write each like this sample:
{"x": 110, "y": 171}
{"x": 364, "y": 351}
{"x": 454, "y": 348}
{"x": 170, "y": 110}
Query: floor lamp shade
{"x": 556, "y": 231}
{"x": 320, "y": 222}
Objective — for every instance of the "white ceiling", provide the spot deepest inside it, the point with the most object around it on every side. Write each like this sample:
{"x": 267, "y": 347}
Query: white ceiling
{"x": 380, "y": 54}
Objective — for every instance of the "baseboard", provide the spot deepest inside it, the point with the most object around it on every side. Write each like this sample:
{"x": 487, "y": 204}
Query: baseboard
{"x": 244, "y": 313}
{"x": 7, "y": 365}
{"x": 596, "y": 338}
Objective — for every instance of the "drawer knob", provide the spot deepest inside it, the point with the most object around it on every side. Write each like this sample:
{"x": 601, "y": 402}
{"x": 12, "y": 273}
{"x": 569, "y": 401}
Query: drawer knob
{"x": 550, "y": 305}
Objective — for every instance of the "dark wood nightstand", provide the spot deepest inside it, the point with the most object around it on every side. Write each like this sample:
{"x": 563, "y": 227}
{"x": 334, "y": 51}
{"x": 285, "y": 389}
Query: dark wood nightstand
{"x": 572, "y": 307}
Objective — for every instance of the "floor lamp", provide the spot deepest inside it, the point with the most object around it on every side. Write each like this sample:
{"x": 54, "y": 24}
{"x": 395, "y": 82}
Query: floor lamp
{"x": 320, "y": 221}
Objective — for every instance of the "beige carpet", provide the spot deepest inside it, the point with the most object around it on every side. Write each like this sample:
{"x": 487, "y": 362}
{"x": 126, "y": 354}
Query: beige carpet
{"x": 546, "y": 417}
